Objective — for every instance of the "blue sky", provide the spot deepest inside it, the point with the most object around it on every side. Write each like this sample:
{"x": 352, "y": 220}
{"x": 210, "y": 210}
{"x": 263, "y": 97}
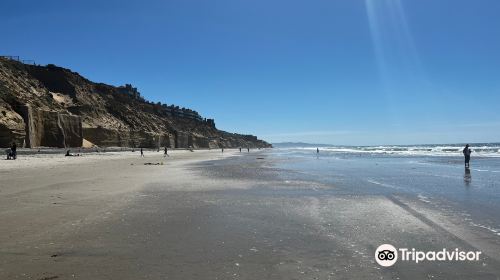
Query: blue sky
{"x": 356, "y": 72}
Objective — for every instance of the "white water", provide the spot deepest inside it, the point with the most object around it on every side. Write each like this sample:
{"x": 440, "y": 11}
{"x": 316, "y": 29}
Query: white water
{"x": 483, "y": 150}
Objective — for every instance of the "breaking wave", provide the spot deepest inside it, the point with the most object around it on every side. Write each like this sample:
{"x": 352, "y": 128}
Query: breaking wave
{"x": 482, "y": 149}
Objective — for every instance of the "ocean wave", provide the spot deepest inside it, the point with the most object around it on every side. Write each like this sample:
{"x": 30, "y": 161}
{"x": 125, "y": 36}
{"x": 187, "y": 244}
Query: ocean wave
{"x": 484, "y": 150}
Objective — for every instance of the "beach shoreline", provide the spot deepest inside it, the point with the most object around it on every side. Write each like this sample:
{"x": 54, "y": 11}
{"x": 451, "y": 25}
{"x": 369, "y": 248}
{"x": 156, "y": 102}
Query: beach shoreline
{"x": 208, "y": 215}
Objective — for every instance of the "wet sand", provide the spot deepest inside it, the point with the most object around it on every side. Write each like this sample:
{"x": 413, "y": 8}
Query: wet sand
{"x": 204, "y": 215}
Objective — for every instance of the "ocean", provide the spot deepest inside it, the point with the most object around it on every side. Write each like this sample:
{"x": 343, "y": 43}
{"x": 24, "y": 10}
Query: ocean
{"x": 431, "y": 174}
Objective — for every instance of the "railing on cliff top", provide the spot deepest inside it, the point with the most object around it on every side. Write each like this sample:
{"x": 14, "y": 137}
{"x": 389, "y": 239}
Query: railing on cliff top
{"x": 18, "y": 58}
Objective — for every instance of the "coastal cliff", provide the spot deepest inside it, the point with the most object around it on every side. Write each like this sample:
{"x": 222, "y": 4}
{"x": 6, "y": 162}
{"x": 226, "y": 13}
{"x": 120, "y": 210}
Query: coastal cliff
{"x": 50, "y": 106}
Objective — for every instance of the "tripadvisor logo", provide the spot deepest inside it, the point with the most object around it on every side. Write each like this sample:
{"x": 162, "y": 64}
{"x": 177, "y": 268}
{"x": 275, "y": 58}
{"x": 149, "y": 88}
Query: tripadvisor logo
{"x": 387, "y": 255}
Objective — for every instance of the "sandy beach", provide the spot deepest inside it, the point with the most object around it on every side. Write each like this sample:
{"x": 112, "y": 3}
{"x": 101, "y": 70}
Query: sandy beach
{"x": 47, "y": 199}
{"x": 208, "y": 215}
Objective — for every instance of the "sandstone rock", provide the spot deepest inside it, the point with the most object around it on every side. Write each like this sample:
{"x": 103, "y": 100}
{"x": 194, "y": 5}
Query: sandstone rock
{"x": 71, "y": 128}
{"x": 51, "y": 129}
{"x": 107, "y": 137}
{"x": 12, "y": 127}
{"x": 200, "y": 142}
{"x": 181, "y": 139}
{"x": 166, "y": 140}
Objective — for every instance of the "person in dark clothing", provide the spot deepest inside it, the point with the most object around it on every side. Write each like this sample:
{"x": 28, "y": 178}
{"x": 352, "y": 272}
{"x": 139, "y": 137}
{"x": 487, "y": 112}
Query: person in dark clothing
{"x": 13, "y": 149}
{"x": 240, "y": 149}
{"x": 9, "y": 154}
{"x": 248, "y": 149}
{"x": 466, "y": 151}
{"x": 222, "y": 150}
{"x": 69, "y": 154}
{"x": 142, "y": 153}
{"x": 317, "y": 150}
{"x": 165, "y": 153}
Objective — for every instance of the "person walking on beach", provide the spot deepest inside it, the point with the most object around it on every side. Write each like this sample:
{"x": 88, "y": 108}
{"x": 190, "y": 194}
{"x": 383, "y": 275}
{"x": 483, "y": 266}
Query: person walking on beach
{"x": 467, "y": 153}
{"x": 14, "y": 151}
{"x": 10, "y": 154}
{"x": 142, "y": 153}
{"x": 222, "y": 149}
{"x": 240, "y": 149}
{"x": 248, "y": 149}
{"x": 317, "y": 150}
{"x": 165, "y": 153}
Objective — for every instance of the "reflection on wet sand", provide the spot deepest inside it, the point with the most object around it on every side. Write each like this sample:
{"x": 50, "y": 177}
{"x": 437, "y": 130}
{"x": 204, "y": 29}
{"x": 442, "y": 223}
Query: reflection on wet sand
{"x": 467, "y": 177}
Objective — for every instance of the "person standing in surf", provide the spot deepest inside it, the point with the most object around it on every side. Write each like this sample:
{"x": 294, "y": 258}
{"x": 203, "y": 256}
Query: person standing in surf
{"x": 467, "y": 153}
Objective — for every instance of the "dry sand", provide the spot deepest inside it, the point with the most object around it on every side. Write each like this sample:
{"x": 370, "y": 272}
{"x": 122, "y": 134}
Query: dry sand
{"x": 109, "y": 216}
{"x": 47, "y": 198}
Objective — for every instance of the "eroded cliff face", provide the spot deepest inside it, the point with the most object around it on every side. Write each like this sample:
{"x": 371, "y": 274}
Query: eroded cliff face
{"x": 11, "y": 126}
{"x": 55, "y": 107}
